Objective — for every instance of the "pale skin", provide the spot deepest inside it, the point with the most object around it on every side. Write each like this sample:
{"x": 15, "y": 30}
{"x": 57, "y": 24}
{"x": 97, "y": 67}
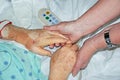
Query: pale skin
{"x": 94, "y": 44}
{"x": 101, "y": 13}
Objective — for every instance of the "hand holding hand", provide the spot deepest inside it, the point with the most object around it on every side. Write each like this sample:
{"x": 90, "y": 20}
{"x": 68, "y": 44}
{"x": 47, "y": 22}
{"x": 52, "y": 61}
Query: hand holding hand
{"x": 69, "y": 29}
{"x": 35, "y": 40}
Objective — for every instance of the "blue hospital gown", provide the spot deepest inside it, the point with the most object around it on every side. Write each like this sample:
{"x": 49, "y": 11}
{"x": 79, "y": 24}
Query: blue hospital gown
{"x": 19, "y": 64}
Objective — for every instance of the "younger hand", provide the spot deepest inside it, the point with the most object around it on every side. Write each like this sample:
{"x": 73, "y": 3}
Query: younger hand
{"x": 84, "y": 55}
{"x": 69, "y": 29}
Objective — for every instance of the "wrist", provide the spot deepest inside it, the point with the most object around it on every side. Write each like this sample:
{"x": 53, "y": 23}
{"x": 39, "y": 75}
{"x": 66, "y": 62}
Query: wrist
{"x": 3, "y": 24}
{"x": 20, "y": 35}
{"x": 110, "y": 41}
{"x": 86, "y": 26}
{"x": 79, "y": 28}
{"x": 98, "y": 41}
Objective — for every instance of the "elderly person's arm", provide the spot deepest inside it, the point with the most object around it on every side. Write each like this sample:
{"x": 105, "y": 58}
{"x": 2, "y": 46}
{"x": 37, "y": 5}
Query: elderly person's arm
{"x": 33, "y": 39}
{"x": 62, "y": 62}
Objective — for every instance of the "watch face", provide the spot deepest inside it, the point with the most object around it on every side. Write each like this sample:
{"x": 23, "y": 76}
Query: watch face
{"x": 107, "y": 39}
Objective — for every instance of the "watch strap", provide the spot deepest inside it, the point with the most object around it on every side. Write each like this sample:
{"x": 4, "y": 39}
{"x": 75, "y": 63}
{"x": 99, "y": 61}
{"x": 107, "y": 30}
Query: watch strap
{"x": 110, "y": 45}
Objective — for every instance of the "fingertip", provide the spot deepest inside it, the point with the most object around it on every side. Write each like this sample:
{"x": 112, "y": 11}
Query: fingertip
{"x": 76, "y": 69}
{"x": 62, "y": 44}
{"x": 74, "y": 73}
{"x": 50, "y": 27}
{"x": 51, "y": 46}
{"x": 50, "y": 55}
{"x": 57, "y": 44}
{"x": 75, "y": 47}
{"x": 68, "y": 45}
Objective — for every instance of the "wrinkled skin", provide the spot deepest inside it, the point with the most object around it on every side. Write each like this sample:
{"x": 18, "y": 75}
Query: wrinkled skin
{"x": 62, "y": 62}
{"x": 34, "y": 40}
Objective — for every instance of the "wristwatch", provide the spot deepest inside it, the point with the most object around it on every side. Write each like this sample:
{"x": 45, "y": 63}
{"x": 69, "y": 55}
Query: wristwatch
{"x": 110, "y": 45}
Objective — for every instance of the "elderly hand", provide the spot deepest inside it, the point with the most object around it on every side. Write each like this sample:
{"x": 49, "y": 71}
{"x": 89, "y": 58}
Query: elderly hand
{"x": 35, "y": 40}
{"x": 62, "y": 62}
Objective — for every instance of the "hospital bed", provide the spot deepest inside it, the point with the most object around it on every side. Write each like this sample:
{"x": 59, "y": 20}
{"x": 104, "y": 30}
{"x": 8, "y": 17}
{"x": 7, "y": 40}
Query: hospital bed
{"x": 104, "y": 65}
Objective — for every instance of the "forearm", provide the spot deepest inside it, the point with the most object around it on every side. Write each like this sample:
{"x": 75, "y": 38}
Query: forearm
{"x": 114, "y": 33}
{"x": 12, "y": 32}
{"x": 102, "y": 12}
{"x": 94, "y": 44}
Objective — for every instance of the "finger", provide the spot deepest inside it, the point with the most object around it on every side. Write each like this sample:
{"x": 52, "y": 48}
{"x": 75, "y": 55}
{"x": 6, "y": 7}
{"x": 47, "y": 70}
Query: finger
{"x": 57, "y": 33}
{"x": 54, "y": 27}
{"x": 77, "y": 65}
{"x": 69, "y": 42}
{"x": 56, "y": 40}
{"x": 80, "y": 62}
{"x": 57, "y": 44}
{"x": 68, "y": 45}
{"x": 74, "y": 47}
{"x": 54, "y": 33}
{"x": 49, "y": 38}
{"x": 50, "y": 41}
{"x": 76, "y": 68}
{"x": 51, "y": 46}
{"x": 62, "y": 44}
{"x": 40, "y": 51}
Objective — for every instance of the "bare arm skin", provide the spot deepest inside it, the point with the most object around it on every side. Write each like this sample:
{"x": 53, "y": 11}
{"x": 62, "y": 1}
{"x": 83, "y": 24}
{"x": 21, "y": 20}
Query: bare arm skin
{"x": 98, "y": 15}
{"x": 101, "y": 13}
{"x": 62, "y": 62}
{"x": 94, "y": 44}
{"x": 33, "y": 39}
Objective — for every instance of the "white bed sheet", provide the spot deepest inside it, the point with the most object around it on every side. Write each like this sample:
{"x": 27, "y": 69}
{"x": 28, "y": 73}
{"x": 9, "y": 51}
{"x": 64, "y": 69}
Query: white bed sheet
{"x": 103, "y": 66}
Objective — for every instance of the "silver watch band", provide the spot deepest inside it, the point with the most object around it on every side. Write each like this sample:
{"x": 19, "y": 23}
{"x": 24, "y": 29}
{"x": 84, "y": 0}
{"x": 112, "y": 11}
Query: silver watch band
{"x": 110, "y": 45}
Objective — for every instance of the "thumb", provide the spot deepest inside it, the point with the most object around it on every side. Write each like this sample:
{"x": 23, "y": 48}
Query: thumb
{"x": 76, "y": 69}
{"x": 77, "y": 65}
